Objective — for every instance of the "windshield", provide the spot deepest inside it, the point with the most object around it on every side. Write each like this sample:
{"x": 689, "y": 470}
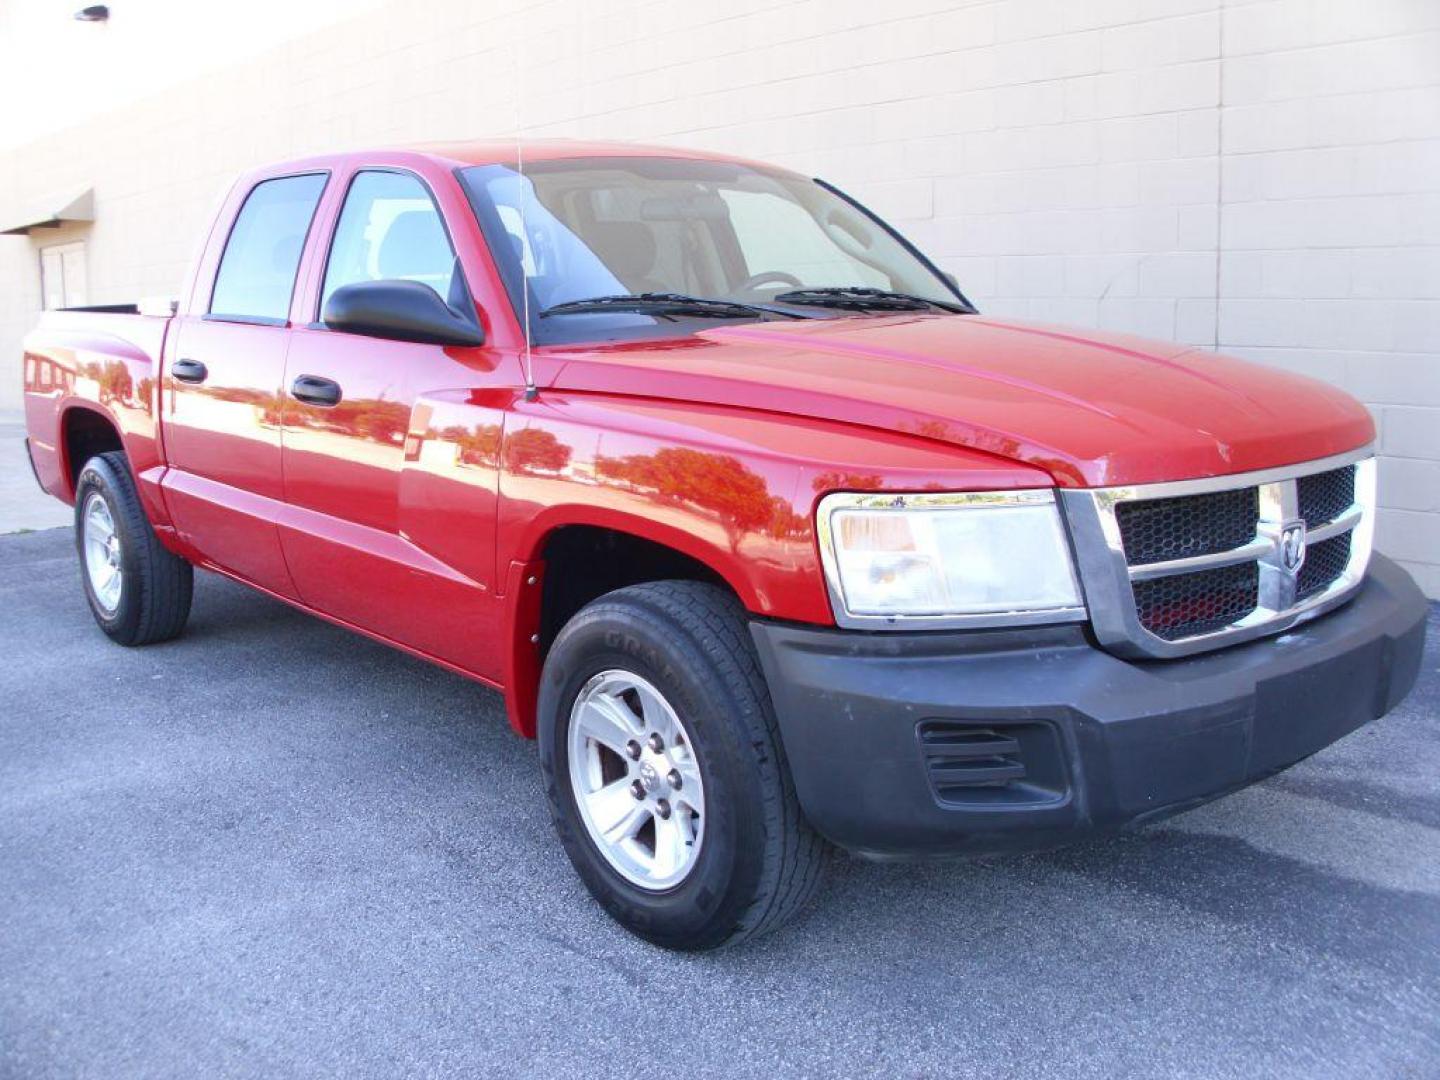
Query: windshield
{"x": 601, "y": 228}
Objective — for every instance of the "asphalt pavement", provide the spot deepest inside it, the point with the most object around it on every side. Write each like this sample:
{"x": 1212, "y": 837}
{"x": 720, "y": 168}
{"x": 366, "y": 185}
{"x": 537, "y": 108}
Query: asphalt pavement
{"x": 275, "y": 849}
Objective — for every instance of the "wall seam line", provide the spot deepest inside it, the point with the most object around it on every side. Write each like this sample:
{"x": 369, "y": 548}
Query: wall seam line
{"x": 1219, "y": 159}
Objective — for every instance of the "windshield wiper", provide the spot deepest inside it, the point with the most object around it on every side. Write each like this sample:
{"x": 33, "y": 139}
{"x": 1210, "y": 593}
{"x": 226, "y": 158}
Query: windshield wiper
{"x": 667, "y": 305}
{"x": 863, "y": 298}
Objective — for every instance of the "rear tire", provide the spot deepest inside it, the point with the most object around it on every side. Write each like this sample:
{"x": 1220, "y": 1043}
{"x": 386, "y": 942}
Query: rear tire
{"x": 681, "y": 653}
{"x": 138, "y": 592}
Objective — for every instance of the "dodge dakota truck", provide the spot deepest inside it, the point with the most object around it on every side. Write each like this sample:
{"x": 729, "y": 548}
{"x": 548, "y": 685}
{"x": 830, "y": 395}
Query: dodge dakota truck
{"x": 768, "y": 536}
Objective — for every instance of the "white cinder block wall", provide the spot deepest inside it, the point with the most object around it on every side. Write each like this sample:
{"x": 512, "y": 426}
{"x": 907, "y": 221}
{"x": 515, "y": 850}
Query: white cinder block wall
{"x": 1262, "y": 177}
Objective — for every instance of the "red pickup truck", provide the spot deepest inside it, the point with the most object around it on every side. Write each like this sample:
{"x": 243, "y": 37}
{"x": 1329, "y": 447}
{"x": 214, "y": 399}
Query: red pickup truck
{"x": 766, "y": 534}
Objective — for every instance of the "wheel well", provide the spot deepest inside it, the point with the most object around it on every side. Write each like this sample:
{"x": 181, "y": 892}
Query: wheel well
{"x": 86, "y": 434}
{"x": 583, "y": 562}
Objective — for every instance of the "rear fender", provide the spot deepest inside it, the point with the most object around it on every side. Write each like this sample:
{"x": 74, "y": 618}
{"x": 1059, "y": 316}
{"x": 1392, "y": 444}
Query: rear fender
{"x": 70, "y": 369}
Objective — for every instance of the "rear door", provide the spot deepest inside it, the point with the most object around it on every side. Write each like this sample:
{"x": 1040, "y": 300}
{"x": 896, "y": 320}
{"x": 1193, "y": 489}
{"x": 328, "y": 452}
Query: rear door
{"x": 225, "y": 383}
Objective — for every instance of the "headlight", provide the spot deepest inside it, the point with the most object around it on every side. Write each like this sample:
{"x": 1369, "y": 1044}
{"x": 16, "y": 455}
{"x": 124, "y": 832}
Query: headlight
{"x": 965, "y": 559}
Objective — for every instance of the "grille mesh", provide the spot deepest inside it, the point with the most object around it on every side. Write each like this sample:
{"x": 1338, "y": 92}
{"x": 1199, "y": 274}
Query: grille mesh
{"x": 1155, "y": 530}
{"x": 1325, "y": 496}
{"x": 1186, "y": 604}
{"x": 1324, "y": 562}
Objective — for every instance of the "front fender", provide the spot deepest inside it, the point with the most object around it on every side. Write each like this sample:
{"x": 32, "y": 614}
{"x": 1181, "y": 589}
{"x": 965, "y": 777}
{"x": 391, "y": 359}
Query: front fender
{"x": 734, "y": 489}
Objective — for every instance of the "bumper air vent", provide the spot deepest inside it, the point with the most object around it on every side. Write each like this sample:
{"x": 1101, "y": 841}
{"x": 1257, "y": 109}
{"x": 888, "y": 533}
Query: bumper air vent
{"x": 970, "y": 763}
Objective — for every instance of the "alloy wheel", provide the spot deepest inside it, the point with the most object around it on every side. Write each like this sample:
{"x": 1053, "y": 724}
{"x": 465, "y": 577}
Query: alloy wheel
{"x": 102, "y": 553}
{"x": 636, "y": 779}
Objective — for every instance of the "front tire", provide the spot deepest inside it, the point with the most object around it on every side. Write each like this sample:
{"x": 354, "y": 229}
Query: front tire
{"x": 664, "y": 769}
{"x": 138, "y": 592}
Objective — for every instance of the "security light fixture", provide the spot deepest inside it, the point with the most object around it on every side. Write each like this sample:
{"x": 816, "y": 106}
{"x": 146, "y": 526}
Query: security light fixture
{"x": 93, "y": 13}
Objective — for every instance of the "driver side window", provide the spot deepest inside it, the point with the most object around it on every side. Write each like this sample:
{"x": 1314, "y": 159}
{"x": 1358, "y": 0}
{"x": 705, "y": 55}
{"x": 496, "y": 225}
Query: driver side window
{"x": 389, "y": 230}
{"x": 778, "y": 236}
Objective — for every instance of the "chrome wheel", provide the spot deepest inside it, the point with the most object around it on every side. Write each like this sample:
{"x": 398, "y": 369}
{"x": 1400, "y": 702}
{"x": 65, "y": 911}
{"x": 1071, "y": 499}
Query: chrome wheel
{"x": 102, "y": 553}
{"x": 636, "y": 779}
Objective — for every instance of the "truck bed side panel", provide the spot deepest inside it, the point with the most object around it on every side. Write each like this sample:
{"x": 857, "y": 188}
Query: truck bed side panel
{"x": 106, "y": 363}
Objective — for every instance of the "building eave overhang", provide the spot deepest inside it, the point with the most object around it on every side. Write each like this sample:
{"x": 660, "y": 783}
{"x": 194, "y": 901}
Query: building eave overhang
{"x": 52, "y": 212}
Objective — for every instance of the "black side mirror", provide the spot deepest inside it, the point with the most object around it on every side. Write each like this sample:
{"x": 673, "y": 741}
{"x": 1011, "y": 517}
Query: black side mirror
{"x": 399, "y": 311}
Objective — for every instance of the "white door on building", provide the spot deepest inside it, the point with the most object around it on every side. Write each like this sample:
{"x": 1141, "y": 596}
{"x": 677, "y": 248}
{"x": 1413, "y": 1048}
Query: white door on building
{"x": 62, "y": 275}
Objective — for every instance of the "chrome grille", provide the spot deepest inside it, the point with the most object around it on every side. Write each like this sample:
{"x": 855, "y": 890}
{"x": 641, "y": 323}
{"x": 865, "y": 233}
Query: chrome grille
{"x": 1171, "y": 569}
{"x": 1159, "y": 529}
{"x": 1324, "y": 562}
{"x": 1325, "y": 496}
{"x": 1184, "y": 604}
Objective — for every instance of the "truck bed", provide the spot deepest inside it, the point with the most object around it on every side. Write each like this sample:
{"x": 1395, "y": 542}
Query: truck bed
{"x": 100, "y": 362}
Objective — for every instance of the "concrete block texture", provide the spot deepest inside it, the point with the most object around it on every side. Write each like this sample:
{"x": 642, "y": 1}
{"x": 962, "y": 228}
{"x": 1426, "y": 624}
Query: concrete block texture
{"x": 1256, "y": 176}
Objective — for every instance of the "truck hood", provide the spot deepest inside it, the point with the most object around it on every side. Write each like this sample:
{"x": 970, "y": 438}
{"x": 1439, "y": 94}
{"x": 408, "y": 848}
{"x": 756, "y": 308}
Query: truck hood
{"x": 1092, "y": 409}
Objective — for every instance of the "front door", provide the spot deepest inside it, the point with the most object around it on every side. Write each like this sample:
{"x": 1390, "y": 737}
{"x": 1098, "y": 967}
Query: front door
{"x": 375, "y": 535}
{"x": 223, "y": 378}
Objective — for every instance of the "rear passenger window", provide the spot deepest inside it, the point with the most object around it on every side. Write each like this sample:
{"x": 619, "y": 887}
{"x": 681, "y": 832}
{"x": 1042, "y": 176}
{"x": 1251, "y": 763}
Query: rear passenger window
{"x": 390, "y": 230}
{"x": 257, "y": 271}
